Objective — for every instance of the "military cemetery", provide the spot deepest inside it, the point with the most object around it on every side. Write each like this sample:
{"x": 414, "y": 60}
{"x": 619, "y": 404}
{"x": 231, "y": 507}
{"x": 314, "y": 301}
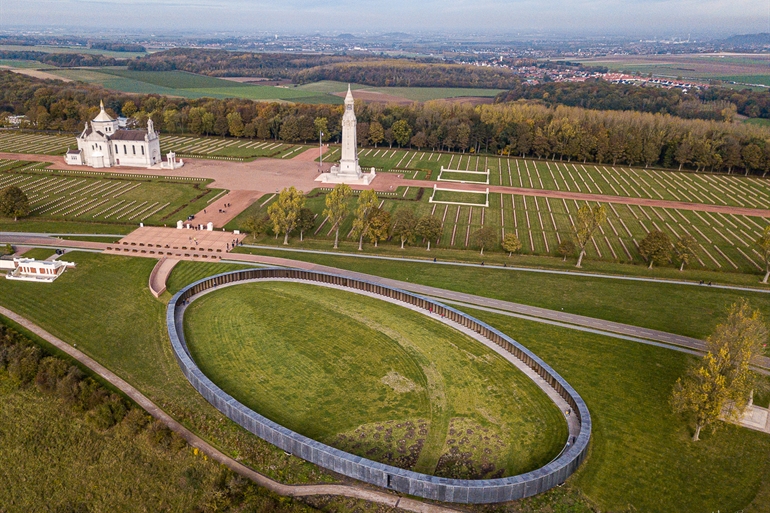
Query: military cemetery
{"x": 373, "y": 271}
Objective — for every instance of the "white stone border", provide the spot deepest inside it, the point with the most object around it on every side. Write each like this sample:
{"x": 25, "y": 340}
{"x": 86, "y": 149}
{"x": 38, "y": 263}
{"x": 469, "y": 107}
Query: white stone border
{"x": 437, "y": 188}
{"x": 485, "y": 173}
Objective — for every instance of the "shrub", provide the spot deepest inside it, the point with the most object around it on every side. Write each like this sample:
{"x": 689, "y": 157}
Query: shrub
{"x": 50, "y": 371}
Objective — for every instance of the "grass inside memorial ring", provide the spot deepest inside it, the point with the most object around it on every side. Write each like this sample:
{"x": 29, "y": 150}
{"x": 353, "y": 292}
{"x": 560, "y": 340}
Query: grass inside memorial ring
{"x": 374, "y": 379}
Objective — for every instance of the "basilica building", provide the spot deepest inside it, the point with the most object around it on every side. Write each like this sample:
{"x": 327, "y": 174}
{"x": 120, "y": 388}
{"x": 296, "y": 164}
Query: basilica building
{"x": 104, "y": 144}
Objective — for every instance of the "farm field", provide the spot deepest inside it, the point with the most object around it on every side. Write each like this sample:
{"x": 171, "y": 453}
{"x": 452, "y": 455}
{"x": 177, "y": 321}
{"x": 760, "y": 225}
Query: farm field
{"x": 90, "y": 196}
{"x": 24, "y": 64}
{"x": 740, "y": 68}
{"x": 188, "y": 85}
{"x": 725, "y": 241}
{"x": 71, "y": 49}
{"x": 415, "y": 94}
{"x": 401, "y": 398}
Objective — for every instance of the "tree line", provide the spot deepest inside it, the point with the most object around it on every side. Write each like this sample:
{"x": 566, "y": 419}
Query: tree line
{"x": 521, "y": 128}
{"x": 714, "y": 103}
{"x": 222, "y": 63}
{"x": 62, "y": 60}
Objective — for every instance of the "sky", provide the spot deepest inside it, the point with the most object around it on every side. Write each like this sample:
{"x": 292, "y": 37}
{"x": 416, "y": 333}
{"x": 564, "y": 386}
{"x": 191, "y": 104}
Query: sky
{"x": 661, "y": 18}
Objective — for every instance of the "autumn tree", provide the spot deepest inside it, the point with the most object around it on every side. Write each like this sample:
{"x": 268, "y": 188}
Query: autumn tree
{"x": 685, "y": 250}
{"x": 321, "y": 126}
{"x": 284, "y": 213}
{"x": 588, "y": 221}
{"x": 763, "y": 243}
{"x": 655, "y": 248}
{"x": 367, "y": 202}
{"x": 14, "y": 202}
{"x": 235, "y": 124}
{"x": 305, "y": 222}
{"x": 337, "y": 208}
{"x": 721, "y": 385}
{"x": 402, "y": 132}
{"x": 379, "y": 225}
{"x": 256, "y": 224}
{"x": 376, "y": 133}
{"x": 566, "y": 248}
{"x": 429, "y": 228}
{"x": 404, "y": 225}
{"x": 484, "y": 237}
{"x": 511, "y": 243}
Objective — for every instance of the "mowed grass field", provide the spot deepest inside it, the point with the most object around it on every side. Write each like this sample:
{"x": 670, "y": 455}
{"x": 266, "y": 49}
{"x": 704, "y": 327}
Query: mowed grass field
{"x": 683, "y": 309}
{"x": 105, "y": 307}
{"x": 725, "y": 241}
{"x": 100, "y": 197}
{"x": 188, "y": 85}
{"x": 417, "y": 94}
{"x": 641, "y": 457}
{"x": 373, "y": 378}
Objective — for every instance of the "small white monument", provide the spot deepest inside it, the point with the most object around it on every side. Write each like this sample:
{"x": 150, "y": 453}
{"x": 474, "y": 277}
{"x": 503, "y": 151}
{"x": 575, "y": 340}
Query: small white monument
{"x": 348, "y": 171}
{"x": 29, "y": 269}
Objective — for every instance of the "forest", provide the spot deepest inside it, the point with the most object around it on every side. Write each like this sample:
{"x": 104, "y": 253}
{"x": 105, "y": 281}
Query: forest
{"x": 62, "y": 60}
{"x": 223, "y": 63}
{"x": 525, "y": 128}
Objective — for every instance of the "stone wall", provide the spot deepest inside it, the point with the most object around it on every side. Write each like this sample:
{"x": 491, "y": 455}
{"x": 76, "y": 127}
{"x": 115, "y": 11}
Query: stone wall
{"x": 385, "y": 476}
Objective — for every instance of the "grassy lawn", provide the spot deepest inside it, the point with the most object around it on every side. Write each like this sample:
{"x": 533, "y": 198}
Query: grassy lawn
{"x": 39, "y": 253}
{"x": 387, "y": 371}
{"x": 186, "y": 272}
{"x": 642, "y": 458}
{"x": 105, "y": 307}
{"x": 682, "y": 309}
{"x": 460, "y": 197}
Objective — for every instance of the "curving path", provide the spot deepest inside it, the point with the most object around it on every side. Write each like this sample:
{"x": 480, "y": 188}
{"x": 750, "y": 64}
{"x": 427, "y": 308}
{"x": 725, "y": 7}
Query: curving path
{"x": 354, "y": 491}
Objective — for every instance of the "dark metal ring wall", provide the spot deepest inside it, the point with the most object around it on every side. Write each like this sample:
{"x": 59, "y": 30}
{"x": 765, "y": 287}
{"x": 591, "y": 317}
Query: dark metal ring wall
{"x": 385, "y": 476}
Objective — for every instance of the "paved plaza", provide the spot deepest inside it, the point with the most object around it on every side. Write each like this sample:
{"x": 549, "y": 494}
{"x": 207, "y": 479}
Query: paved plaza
{"x": 187, "y": 243}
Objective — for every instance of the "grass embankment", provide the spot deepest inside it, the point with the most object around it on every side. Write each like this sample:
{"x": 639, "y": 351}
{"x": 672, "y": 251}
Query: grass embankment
{"x": 105, "y": 307}
{"x": 389, "y": 384}
{"x": 642, "y": 457}
{"x": 683, "y": 309}
{"x": 69, "y": 445}
{"x": 187, "y": 272}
